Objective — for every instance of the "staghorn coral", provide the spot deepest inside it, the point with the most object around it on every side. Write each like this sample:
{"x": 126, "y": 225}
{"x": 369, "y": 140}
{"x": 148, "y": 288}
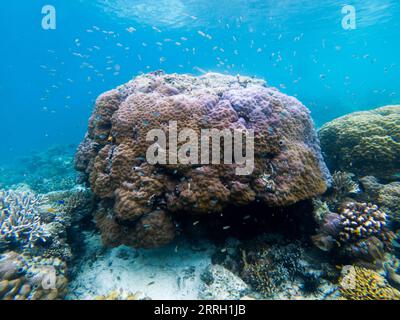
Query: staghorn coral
{"x": 20, "y": 220}
{"x": 112, "y": 158}
{"x": 364, "y": 284}
{"x": 364, "y": 142}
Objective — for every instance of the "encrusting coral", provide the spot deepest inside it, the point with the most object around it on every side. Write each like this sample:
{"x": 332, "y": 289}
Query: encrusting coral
{"x": 138, "y": 199}
{"x": 364, "y": 142}
{"x": 364, "y": 284}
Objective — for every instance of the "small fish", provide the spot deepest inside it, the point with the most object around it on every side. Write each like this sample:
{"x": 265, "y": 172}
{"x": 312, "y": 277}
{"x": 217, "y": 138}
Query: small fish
{"x": 226, "y": 227}
{"x": 196, "y": 223}
{"x": 60, "y": 202}
{"x": 51, "y": 210}
{"x": 151, "y": 283}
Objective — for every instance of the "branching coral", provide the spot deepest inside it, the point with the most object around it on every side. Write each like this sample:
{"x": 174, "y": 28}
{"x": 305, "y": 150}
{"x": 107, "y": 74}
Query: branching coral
{"x": 364, "y": 284}
{"x": 267, "y": 270}
{"x": 20, "y": 220}
{"x": 358, "y": 231}
{"x": 342, "y": 186}
{"x": 360, "y": 221}
{"x": 356, "y": 221}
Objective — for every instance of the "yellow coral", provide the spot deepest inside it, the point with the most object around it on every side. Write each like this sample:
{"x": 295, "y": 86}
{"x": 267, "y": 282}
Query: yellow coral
{"x": 119, "y": 295}
{"x": 364, "y": 284}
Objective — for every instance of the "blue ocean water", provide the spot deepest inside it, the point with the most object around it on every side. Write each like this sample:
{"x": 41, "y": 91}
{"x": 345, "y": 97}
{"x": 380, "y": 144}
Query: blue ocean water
{"x": 49, "y": 79}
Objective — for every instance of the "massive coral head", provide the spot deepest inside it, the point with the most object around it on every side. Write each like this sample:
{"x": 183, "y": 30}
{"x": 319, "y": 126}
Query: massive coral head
{"x": 140, "y": 199}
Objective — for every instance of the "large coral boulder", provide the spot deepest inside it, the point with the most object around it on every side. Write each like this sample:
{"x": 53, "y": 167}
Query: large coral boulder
{"x": 365, "y": 143}
{"x": 139, "y": 200}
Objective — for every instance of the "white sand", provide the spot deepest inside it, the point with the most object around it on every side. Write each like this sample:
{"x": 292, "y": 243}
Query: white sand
{"x": 172, "y": 272}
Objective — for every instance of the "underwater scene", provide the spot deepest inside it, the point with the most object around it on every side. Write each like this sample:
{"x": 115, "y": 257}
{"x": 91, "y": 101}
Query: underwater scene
{"x": 200, "y": 150}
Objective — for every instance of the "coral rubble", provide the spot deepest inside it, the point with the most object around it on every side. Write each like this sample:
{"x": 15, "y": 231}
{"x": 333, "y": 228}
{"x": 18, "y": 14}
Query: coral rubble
{"x": 138, "y": 200}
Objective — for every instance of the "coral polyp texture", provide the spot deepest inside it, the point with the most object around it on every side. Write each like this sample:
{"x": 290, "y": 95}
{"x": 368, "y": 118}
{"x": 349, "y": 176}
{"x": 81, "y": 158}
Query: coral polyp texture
{"x": 364, "y": 142}
{"x": 140, "y": 199}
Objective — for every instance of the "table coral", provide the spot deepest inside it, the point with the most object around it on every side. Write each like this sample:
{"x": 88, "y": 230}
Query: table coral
{"x": 138, "y": 199}
{"x": 365, "y": 143}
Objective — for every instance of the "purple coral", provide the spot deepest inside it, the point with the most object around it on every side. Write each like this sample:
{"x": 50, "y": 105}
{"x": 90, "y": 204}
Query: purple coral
{"x": 288, "y": 163}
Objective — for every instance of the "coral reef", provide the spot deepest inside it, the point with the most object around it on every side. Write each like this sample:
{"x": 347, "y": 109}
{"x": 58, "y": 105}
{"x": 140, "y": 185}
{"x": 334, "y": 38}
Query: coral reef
{"x": 221, "y": 284}
{"x": 364, "y": 142}
{"x": 20, "y": 219}
{"x": 138, "y": 199}
{"x": 342, "y": 187}
{"x": 276, "y": 268}
{"x": 363, "y": 284}
{"x": 24, "y": 277}
{"x": 385, "y": 195}
{"x": 122, "y": 295}
{"x": 359, "y": 231}
{"x": 33, "y": 237}
{"x": 361, "y": 220}
{"x": 269, "y": 269}
{"x": 46, "y": 171}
